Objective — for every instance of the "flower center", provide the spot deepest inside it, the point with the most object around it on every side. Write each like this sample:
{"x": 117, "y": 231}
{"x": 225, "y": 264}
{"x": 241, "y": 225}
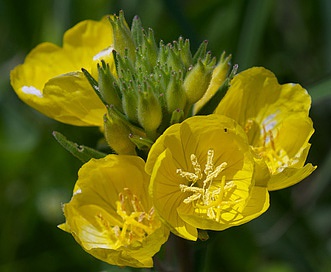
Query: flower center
{"x": 213, "y": 193}
{"x": 275, "y": 157}
{"x": 136, "y": 224}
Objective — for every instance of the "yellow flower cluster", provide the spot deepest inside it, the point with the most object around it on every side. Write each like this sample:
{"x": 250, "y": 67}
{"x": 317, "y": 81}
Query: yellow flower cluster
{"x": 205, "y": 162}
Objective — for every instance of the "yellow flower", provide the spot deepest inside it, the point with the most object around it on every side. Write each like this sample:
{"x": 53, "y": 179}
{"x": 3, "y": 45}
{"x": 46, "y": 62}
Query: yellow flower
{"x": 203, "y": 176}
{"x": 275, "y": 118}
{"x": 50, "y": 79}
{"x": 111, "y": 214}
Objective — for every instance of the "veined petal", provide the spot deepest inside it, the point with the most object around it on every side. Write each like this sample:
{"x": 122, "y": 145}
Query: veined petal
{"x": 286, "y": 144}
{"x": 202, "y": 175}
{"x": 255, "y": 94}
{"x": 275, "y": 118}
{"x": 80, "y": 42}
{"x": 68, "y": 98}
{"x": 166, "y": 184}
{"x": 111, "y": 214}
{"x": 48, "y": 61}
{"x": 28, "y": 79}
{"x": 257, "y": 204}
{"x": 289, "y": 177}
{"x": 86, "y": 33}
{"x": 158, "y": 148}
{"x": 293, "y": 134}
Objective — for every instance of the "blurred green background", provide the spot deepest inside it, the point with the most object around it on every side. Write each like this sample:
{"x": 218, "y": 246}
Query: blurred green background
{"x": 290, "y": 37}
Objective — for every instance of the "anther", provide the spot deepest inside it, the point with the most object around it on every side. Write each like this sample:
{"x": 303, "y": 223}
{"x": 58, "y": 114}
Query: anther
{"x": 207, "y": 200}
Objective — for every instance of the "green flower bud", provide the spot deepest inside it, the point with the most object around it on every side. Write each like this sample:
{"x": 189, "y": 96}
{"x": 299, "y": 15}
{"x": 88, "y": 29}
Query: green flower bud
{"x": 149, "y": 48}
{"x": 107, "y": 86}
{"x": 174, "y": 61}
{"x": 185, "y": 52}
{"x": 130, "y": 104}
{"x": 221, "y": 70}
{"x": 117, "y": 134}
{"x": 175, "y": 94}
{"x": 122, "y": 36}
{"x": 177, "y": 116}
{"x": 149, "y": 113}
{"x": 201, "y": 52}
{"x": 196, "y": 82}
{"x": 153, "y": 86}
{"x": 136, "y": 30}
{"x": 213, "y": 95}
{"x": 163, "y": 53}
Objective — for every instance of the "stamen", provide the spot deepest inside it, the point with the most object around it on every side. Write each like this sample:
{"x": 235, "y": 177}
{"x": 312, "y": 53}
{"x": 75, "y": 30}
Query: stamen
{"x": 214, "y": 174}
{"x": 275, "y": 157}
{"x": 135, "y": 225}
{"x": 248, "y": 125}
{"x": 189, "y": 176}
{"x": 209, "y": 165}
{"x": 196, "y": 166}
{"x": 206, "y": 200}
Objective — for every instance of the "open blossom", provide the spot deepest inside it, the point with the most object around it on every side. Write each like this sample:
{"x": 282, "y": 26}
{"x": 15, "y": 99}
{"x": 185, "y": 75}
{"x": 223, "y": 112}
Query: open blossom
{"x": 50, "y": 79}
{"x": 275, "y": 119}
{"x": 204, "y": 176}
{"x": 111, "y": 214}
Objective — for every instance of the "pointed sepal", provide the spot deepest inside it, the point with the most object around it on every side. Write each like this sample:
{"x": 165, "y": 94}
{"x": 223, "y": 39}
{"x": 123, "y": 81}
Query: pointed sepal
{"x": 81, "y": 152}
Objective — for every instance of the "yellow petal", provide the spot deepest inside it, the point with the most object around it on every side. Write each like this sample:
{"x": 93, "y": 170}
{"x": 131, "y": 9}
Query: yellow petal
{"x": 293, "y": 133}
{"x": 202, "y": 175}
{"x": 68, "y": 98}
{"x": 255, "y": 94}
{"x": 111, "y": 214}
{"x": 289, "y": 177}
{"x": 86, "y": 33}
{"x": 164, "y": 182}
{"x": 158, "y": 148}
{"x": 28, "y": 79}
{"x": 286, "y": 143}
{"x": 258, "y": 203}
{"x": 275, "y": 118}
{"x": 48, "y": 61}
{"x": 88, "y": 42}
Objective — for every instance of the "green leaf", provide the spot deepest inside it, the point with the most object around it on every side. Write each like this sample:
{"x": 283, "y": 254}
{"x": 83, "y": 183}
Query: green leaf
{"x": 81, "y": 152}
{"x": 253, "y": 29}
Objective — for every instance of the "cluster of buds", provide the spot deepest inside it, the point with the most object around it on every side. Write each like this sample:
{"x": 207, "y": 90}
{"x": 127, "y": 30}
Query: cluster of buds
{"x": 152, "y": 86}
{"x": 209, "y": 172}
